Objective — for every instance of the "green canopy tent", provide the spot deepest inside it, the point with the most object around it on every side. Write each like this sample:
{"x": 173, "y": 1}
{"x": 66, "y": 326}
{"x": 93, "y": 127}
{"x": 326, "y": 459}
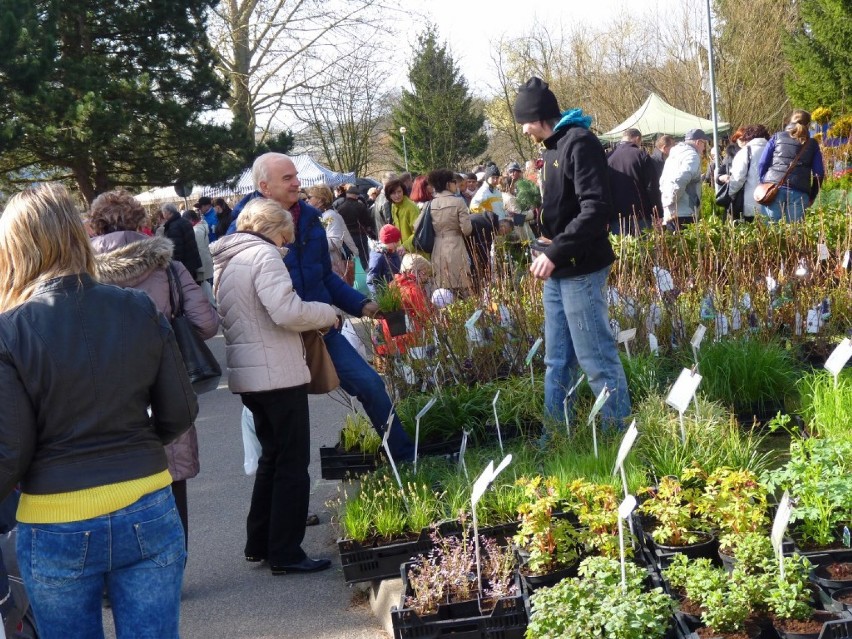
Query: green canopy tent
{"x": 656, "y": 117}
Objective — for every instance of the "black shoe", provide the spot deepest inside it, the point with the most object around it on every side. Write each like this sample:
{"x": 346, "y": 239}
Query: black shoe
{"x": 306, "y": 565}
{"x": 255, "y": 558}
{"x": 312, "y": 520}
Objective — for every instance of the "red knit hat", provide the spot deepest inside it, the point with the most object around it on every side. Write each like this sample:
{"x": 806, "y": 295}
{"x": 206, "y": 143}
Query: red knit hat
{"x": 389, "y": 234}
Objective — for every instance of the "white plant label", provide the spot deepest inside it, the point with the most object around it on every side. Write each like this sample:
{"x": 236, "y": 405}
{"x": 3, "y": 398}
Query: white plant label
{"x": 479, "y": 487}
{"x": 722, "y": 326}
{"x": 813, "y": 321}
{"x": 683, "y": 390}
{"x": 505, "y": 316}
{"x": 839, "y": 356}
{"x": 736, "y": 319}
{"x": 388, "y": 452}
{"x": 497, "y": 421}
{"x": 462, "y": 450}
{"x": 771, "y": 284}
{"x": 627, "y": 506}
{"x": 698, "y": 336}
{"x": 779, "y": 528}
{"x": 487, "y": 478}
{"x": 822, "y": 252}
{"x": 599, "y": 402}
{"x": 474, "y": 335}
{"x": 665, "y": 283}
{"x": 533, "y": 350}
{"x": 418, "y": 352}
{"x": 626, "y": 335}
{"x": 420, "y": 415}
{"x": 596, "y": 408}
{"x": 408, "y": 374}
{"x": 846, "y": 259}
{"x": 653, "y": 344}
{"x": 626, "y": 444}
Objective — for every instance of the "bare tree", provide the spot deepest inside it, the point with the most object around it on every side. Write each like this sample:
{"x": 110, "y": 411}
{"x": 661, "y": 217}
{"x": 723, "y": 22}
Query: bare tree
{"x": 344, "y": 116}
{"x": 270, "y": 49}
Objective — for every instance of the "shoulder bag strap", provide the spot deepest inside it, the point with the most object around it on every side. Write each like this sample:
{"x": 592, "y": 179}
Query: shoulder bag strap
{"x": 175, "y": 290}
{"x": 793, "y": 164}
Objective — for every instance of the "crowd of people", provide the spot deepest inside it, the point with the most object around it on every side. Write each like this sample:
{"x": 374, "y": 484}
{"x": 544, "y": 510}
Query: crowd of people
{"x": 665, "y": 186}
{"x": 101, "y": 476}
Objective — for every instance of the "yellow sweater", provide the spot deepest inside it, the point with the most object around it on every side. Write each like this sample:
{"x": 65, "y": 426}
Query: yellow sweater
{"x": 79, "y": 505}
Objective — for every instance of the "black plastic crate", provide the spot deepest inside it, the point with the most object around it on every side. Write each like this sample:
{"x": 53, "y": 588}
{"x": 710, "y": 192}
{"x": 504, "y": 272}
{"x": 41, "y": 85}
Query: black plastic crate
{"x": 506, "y": 620}
{"x": 841, "y": 629}
{"x": 337, "y": 464}
{"x": 367, "y": 563}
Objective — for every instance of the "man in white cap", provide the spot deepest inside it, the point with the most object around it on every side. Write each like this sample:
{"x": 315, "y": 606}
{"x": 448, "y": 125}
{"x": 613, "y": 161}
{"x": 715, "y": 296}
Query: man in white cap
{"x": 680, "y": 182}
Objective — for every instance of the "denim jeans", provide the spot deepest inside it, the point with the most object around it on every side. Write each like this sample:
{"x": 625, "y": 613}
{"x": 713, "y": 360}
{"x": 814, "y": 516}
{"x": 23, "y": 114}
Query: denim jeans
{"x": 789, "y": 204}
{"x": 275, "y": 526}
{"x": 138, "y": 552}
{"x": 577, "y": 332}
{"x": 359, "y": 379}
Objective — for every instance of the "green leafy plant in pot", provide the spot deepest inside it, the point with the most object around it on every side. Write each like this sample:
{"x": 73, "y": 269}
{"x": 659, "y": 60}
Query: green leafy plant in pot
{"x": 547, "y": 545}
{"x": 673, "y": 508}
{"x": 389, "y": 300}
{"x": 735, "y": 503}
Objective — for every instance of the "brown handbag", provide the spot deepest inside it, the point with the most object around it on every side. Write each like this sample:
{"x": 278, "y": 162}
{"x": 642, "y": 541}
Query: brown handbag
{"x": 324, "y": 377}
{"x": 766, "y": 192}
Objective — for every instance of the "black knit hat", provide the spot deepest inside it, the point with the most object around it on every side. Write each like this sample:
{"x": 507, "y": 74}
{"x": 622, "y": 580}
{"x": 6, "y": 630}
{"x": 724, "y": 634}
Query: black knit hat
{"x": 535, "y": 102}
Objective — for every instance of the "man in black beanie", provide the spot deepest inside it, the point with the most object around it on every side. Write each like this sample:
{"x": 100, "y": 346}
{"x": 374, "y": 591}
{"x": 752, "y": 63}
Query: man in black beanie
{"x": 575, "y": 255}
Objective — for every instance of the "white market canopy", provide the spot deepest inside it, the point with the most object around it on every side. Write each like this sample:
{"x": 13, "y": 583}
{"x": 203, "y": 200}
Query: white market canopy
{"x": 310, "y": 173}
{"x": 657, "y": 117}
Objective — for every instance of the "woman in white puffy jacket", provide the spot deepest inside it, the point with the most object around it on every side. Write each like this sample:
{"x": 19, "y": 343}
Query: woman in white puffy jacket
{"x": 263, "y": 316}
{"x": 745, "y": 174}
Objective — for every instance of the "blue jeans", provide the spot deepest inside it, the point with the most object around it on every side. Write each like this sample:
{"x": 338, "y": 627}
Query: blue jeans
{"x": 577, "y": 332}
{"x": 359, "y": 379}
{"x": 138, "y": 552}
{"x": 789, "y": 204}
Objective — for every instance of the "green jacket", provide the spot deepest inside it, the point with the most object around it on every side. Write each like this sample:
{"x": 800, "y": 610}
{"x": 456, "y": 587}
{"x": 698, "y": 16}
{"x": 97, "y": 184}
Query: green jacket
{"x": 404, "y": 215}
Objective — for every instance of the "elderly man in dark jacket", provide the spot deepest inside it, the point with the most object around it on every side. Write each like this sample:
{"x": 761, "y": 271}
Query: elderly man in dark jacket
{"x": 309, "y": 264}
{"x": 634, "y": 183}
{"x": 180, "y": 232}
{"x": 575, "y": 255}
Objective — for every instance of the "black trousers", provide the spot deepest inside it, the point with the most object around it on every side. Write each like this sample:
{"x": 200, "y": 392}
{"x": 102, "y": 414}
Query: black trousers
{"x": 360, "y": 240}
{"x": 279, "y": 503}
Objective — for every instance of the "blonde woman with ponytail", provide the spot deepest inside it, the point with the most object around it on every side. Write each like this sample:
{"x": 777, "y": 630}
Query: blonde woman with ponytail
{"x": 800, "y": 186}
{"x": 81, "y": 363}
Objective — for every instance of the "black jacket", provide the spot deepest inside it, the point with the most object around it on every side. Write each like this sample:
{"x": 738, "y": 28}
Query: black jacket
{"x": 80, "y": 362}
{"x": 180, "y": 232}
{"x": 634, "y": 183}
{"x": 357, "y": 216}
{"x": 576, "y": 203}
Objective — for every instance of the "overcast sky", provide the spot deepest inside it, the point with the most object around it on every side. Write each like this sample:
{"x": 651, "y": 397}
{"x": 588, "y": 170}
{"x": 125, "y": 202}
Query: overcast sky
{"x": 470, "y": 26}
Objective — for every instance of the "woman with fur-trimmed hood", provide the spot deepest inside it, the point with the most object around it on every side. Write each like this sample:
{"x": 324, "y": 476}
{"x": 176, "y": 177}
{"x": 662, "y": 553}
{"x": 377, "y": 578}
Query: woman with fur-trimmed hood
{"x": 130, "y": 259}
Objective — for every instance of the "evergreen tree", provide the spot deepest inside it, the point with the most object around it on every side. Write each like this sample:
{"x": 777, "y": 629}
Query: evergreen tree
{"x": 443, "y": 127}
{"x": 820, "y": 53}
{"x": 111, "y": 94}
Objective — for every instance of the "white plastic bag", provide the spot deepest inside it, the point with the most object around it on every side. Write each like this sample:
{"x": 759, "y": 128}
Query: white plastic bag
{"x": 348, "y": 331}
{"x": 250, "y": 443}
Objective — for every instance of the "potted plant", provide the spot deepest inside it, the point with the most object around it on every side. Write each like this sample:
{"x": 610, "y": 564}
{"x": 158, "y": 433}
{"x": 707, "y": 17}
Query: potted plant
{"x": 593, "y": 604}
{"x": 790, "y": 602}
{"x": 672, "y": 507}
{"x": 389, "y": 300}
{"x": 724, "y": 603}
{"x": 596, "y": 509}
{"x": 817, "y": 477}
{"x": 441, "y": 596}
{"x": 548, "y": 545}
{"x": 735, "y": 503}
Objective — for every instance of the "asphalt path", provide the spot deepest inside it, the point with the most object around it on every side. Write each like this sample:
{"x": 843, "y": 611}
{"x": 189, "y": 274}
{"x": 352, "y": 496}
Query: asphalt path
{"x": 223, "y": 595}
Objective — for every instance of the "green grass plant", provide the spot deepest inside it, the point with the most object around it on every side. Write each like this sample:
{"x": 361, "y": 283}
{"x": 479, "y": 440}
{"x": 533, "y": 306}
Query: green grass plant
{"x": 750, "y": 376}
{"x": 713, "y": 439}
{"x": 826, "y": 409}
